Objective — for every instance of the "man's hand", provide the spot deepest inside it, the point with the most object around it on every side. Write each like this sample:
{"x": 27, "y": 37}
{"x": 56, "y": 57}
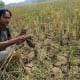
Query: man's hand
{"x": 26, "y": 35}
{"x": 20, "y": 39}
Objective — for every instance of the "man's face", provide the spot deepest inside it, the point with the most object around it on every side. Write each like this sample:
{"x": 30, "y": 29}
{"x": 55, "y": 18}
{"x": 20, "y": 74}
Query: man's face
{"x": 5, "y": 19}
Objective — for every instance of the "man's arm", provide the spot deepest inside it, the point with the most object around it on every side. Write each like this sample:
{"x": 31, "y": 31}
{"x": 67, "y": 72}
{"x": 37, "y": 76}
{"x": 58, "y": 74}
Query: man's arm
{"x": 12, "y": 41}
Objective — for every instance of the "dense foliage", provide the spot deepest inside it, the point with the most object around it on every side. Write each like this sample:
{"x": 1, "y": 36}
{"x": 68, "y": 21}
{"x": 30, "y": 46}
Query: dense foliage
{"x": 55, "y": 27}
{"x": 2, "y": 5}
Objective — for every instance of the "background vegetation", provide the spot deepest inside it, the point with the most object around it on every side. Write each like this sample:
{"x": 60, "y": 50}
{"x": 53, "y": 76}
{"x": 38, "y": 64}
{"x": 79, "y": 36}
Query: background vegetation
{"x": 55, "y": 27}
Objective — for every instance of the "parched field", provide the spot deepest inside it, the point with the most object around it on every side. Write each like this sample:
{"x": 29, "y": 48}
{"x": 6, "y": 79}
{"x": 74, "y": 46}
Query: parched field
{"x": 55, "y": 29}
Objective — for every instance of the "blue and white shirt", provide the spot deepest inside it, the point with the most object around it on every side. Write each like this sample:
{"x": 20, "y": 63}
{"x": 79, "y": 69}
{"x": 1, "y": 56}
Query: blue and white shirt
{"x": 4, "y": 34}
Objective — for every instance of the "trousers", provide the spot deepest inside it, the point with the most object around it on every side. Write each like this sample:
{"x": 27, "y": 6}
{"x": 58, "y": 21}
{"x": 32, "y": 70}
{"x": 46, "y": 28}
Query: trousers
{"x": 4, "y": 54}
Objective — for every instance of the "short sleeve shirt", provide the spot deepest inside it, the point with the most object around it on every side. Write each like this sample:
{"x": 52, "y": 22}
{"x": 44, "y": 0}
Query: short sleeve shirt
{"x": 4, "y": 34}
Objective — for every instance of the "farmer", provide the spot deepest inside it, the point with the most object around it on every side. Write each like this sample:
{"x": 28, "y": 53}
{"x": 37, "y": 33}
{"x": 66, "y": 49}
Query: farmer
{"x": 5, "y": 37}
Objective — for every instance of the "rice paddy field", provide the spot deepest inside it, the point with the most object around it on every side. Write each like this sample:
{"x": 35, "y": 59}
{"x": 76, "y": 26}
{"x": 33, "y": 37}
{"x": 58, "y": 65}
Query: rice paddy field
{"x": 55, "y": 30}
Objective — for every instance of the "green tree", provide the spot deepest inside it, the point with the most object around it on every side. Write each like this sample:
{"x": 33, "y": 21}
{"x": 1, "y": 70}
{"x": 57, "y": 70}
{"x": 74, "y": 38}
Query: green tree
{"x": 2, "y": 4}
